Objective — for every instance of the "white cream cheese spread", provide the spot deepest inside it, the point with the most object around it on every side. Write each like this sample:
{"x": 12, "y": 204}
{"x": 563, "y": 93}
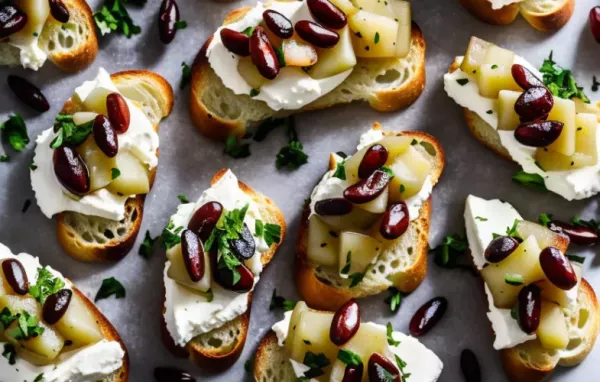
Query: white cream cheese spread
{"x": 189, "y": 314}
{"x": 571, "y": 184}
{"x": 140, "y": 140}
{"x": 498, "y": 4}
{"x": 88, "y": 364}
{"x": 26, "y": 40}
{"x": 293, "y": 88}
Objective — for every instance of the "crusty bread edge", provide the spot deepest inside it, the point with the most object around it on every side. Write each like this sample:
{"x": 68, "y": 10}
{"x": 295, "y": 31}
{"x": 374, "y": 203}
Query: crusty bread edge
{"x": 116, "y": 249}
{"x": 216, "y": 361}
{"x": 319, "y": 295}
{"x": 549, "y": 22}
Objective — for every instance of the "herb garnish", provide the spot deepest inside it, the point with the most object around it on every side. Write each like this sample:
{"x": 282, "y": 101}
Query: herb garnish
{"x": 349, "y": 357}
{"x": 170, "y": 235}
{"x": 266, "y": 127}
{"x": 146, "y": 247}
{"x": 481, "y": 218}
{"x": 340, "y": 170}
{"x": 27, "y": 327}
{"x": 181, "y": 24}
{"x": 183, "y": 199}
{"x": 394, "y": 299}
{"x": 534, "y": 181}
{"x": 115, "y": 173}
{"x": 280, "y": 55}
{"x": 592, "y": 223}
{"x": 576, "y": 259}
{"x": 10, "y": 354}
{"x": 450, "y": 254}
{"x": 390, "y": 338}
{"x": 560, "y": 81}
{"x": 291, "y": 156}
{"x": 401, "y": 365}
{"x": 595, "y": 84}
{"x": 462, "y": 81}
{"x": 356, "y": 279}
{"x": 235, "y": 148}
{"x": 68, "y": 133}
{"x": 348, "y": 264}
{"x": 376, "y": 40}
{"x": 281, "y": 302}
{"x": 46, "y": 285}
{"x": 39, "y": 378}
{"x": 109, "y": 287}
{"x": 186, "y": 75}
{"x": 545, "y": 219}
{"x": 114, "y": 17}
{"x": 316, "y": 362}
{"x": 14, "y": 132}
{"x": 254, "y": 92}
{"x": 248, "y": 365}
{"x": 514, "y": 279}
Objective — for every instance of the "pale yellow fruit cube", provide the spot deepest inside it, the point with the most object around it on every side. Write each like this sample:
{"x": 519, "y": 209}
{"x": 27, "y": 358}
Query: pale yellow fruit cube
{"x": 373, "y": 36}
{"x": 410, "y": 170}
{"x": 508, "y": 119}
{"x": 362, "y": 249}
{"x": 323, "y": 243}
{"x": 586, "y": 132}
{"x": 335, "y": 60}
{"x": 564, "y": 111}
{"x": 552, "y": 331}
{"x": 133, "y": 178}
{"x": 492, "y": 78}
{"x": 554, "y": 161}
{"x": 474, "y": 55}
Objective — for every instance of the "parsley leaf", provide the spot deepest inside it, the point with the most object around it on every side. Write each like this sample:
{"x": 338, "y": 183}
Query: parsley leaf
{"x": 27, "y": 327}
{"x": 186, "y": 75}
{"x": 183, "y": 199}
{"x": 376, "y": 40}
{"x": 281, "y": 302}
{"x": 349, "y": 357}
{"x": 14, "y": 132}
{"x": 401, "y": 365}
{"x": 115, "y": 173}
{"x": 146, "y": 247}
{"x": 592, "y": 223}
{"x": 560, "y": 81}
{"x": 280, "y": 55}
{"x": 181, "y": 24}
{"x": 169, "y": 236}
{"x": 68, "y": 133}
{"x": 236, "y": 149}
{"x": 340, "y": 170}
{"x": 10, "y": 353}
{"x": 114, "y": 17}
{"x": 513, "y": 232}
{"x": 272, "y": 234}
{"x": 545, "y": 219}
{"x": 450, "y": 254}
{"x": 316, "y": 362}
{"x": 109, "y": 287}
{"x": 390, "y": 338}
{"x": 45, "y": 285}
{"x": 348, "y": 264}
{"x": 356, "y": 279}
{"x": 534, "y": 181}
{"x": 248, "y": 31}
{"x": 7, "y": 318}
{"x": 291, "y": 156}
{"x": 259, "y": 228}
{"x": 462, "y": 81}
{"x": 39, "y": 378}
{"x": 394, "y": 299}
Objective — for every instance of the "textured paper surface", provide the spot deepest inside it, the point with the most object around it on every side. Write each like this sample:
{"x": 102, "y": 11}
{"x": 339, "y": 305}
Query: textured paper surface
{"x": 188, "y": 161}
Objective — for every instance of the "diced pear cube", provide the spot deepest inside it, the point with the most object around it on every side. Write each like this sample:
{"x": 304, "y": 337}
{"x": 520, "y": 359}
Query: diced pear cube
{"x": 78, "y": 325}
{"x": 357, "y": 219}
{"x": 17, "y": 304}
{"x": 377, "y": 205}
{"x": 508, "y": 119}
{"x": 410, "y": 169}
{"x": 133, "y": 178}
{"x": 299, "y": 309}
{"x": 312, "y": 334}
{"x": 552, "y": 331}
{"x": 587, "y": 108}
{"x": 345, "y": 6}
{"x": 373, "y": 36}
{"x": 250, "y": 73}
{"x": 380, "y": 8}
{"x": 96, "y": 100}
{"x": 492, "y": 78}
{"x": 395, "y": 145}
{"x": 552, "y": 293}
{"x": 323, "y": 243}
{"x": 99, "y": 165}
{"x": 586, "y": 132}
{"x": 178, "y": 272}
{"x": 37, "y": 12}
{"x": 544, "y": 236}
{"x": 494, "y": 55}
{"x": 335, "y": 60}
{"x": 83, "y": 117}
{"x": 555, "y": 161}
{"x": 402, "y": 15}
{"x": 40, "y": 350}
{"x": 352, "y": 163}
{"x": 564, "y": 111}
{"x": 474, "y": 55}
{"x": 360, "y": 249}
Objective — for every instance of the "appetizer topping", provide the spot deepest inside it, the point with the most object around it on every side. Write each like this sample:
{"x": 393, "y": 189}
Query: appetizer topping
{"x": 381, "y": 369}
{"x": 500, "y": 248}
{"x": 110, "y": 287}
{"x": 327, "y": 14}
{"x": 15, "y": 276}
{"x": 168, "y": 19}
{"x": 12, "y": 20}
{"x": 578, "y": 234}
{"x": 105, "y": 136}
{"x": 368, "y": 189}
{"x": 333, "y": 207}
{"x": 243, "y": 246}
{"x": 113, "y": 16}
{"x": 59, "y": 11}
{"x": 558, "y": 268}
{"x": 71, "y": 170}
{"x": 394, "y": 221}
{"x": 316, "y": 35}
{"x": 263, "y": 54}
{"x": 353, "y": 373}
{"x": 28, "y": 93}
{"x": 193, "y": 255}
{"x": 529, "y": 305}
{"x": 238, "y": 278}
{"x": 375, "y": 157}
{"x": 538, "y": 133}
{"x": 118, "y": 112}
{"x": 56, "y": 306}
{"x": 534, "y": 103}
{"x": 236, "y": 42}
{"x": 345, "y": 323}
{"x": 205, "y": 219}
{"x": 278, "y": 24}
{"x": 595, "y": 22}
{"x": 525, "y": 78}
{"x": 427, "y": 316}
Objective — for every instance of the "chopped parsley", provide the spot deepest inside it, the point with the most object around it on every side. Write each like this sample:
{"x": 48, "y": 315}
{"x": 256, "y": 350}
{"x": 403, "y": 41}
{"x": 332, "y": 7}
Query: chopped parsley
{"x": 291, "y": 156}
{"x": 248, "y": 31}
{"x": 390, "y": 337}
{"x": 376, "y": 40}
{"x": 33, "y": 166}
{"x": 513, "y": 232}
{"x": 45, "y": 285}
{"x": 10, "y": 353}
{"x": 280, "y": 302}
{"x": 560, "y": 81}
{"x": 348, "y": 264}
{"x": 349, "y": 357}
{"x": 236, "y": 149}
{"x": 14, "y": 132}
{"x": 115, "y": 173}
{"x": 316, "y": 362}
{"x": 450, "y": 254}
{"x": 280, "y": 55}
{"x": 186, "y": 75}
{"x": 576, "y": 259}
{"x": 270, "y": 232}
{"x": 146, "y": 247}
{"x": 68, "y": 133}
{"x": 494, "y": 66}
{"x": 545, "y": 219}
{"x": 401, "y": 365}
{"x": 7, "y": 318}
{"x": 170, "y": 235}
{"x": 27, "y": 327}
{"x": 183, "y": 199}
{"x": 595, "y": 84}
{"x": 462, "y": 81}
{"x": 356, "y": 279}
{"x": 481, "y": 218}
{"x": 514, "y": 279}
{"x": 4, "y": 158}
{"x": 254, "y": 93}
{"x": 110, "y": 287}
{"x": 402, "y": 188}
{"x": 394, "y": 299}
{"x": 592, "y": 223}
{"x": 181, "y": 24}
{"x": 388, "y": 171}
{"x": 39, "y": 378}
{"x": 113, "y": 17}
{"x": 340, "y": 170}
{"x": 534, "y": 181}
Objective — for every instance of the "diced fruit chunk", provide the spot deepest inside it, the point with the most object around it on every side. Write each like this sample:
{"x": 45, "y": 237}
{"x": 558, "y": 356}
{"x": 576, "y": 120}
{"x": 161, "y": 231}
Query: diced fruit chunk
{"x": 133, "y": 178}
{"x": 250, "y": 73}
{"x": 377, "y": 7}
{"x": 299, "y": 309}
{"x": 402, "y": 15}
{"x": 37, "y": 12}
{"x": 587, "y": 108}
{"x": 299, "y": 53}
{"x": 524, "y": 261}
{"x": 508, "y": 119}
{"x": 586, "y": 134}
{"x": 410, "y": 170}
{"x": 178, "y": 272}
{"x": 552, "y": 293}
{"x": 544, "y": 236}
{"x": 373, "y": 35}
{"x": 474, "y": 55}
{"x": 362, "y": 249}
{"x": 82, "y": 117}
{"x": 99, "y": 165}
{"x": 78, "y": 325}
{"x": 564, "y": 111}
{"x": 40, "y": 350}
{"x": 323, "y": 243}
{"x": 377, "y": 205}
{"x": 552, "y": 331}
{"x": 17, "y": 304}
{"x": 358, "y": 219}
{"x": 491, "y": 78}
{"x": 494, "y": 55}
{"x": 335, "y": 60}
{"x": 96, "y": 100}
{"x": 395, "y": 146}
{"x": 312, "y": 334}
{"x": 554, "y": 161}
{"x": 345, "y": 6}
{"x": 352, "y": 163}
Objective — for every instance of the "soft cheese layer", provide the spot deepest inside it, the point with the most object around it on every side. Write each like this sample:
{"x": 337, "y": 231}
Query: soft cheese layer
{"x": 26, "y": 40}
{"x": 293, "y": 88}
{"x": 499, "y": 4}
{"x": 88, "y": 364}
{"x": 189, "y": 314}
{"x": 140, "y": 140}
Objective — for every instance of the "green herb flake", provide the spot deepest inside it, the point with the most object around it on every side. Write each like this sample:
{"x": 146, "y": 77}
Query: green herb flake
{"x": 576, "y": 259}
{"x": 33, "y": 166}
{"x": 402, "y": 188}
{"x": 248, "y": 31}
{"x": 340, "y": 170}
{"x": 560, "y": 81}
{"x": 259, "y": 228}
{"x": 249, "y": 365}
{"x": 494, "y": 66}
{"x": 377, "y": 38}
{"x": 482, "y": 219}
{"x": 10, "y": 353}
{"x": 115, "y": 173}
{"x": 394, "y": 299}
{"x": 39, "y": 378}
{"x": 186, "y": 75}
{"x": 181, "y": 24}
{"x": 451, "y": 253}
{"x": 316, "y": 362}
{"x": 45, "y": 285}
{"x": 388, "y": 171}
{"x": 280, "y": 55}
{"x": 462, "y": 81}
{"x": 348, "y": 264}
{"x": 401, "y": 365}
{"x": 356, "y": 279}
{"x": 183, "y": 199}
{"x": 254, "y": 92}
{"x": 390, "y": 338}
{"x": 68, "y": 133}
{"x": 513, "y": 232}
{"x": 14, "y": 132}
{"x": 145, "y": 249}
{"x": 280, "y": 302}
{"x": 592, "y": 223}
{"x": 113, "y": 17}
{"x": 291, "y": 156}
{"x": 534, "y": 181}
{"x": 514, "y": 279}
{"x": 4, "y": 158}
{"x": 236, "y": 149}
{"x": 272, "y": 234}
{"x": 110, "y": 287}
{"x": 545, "y": 219}
{"x": 349, "y": 357}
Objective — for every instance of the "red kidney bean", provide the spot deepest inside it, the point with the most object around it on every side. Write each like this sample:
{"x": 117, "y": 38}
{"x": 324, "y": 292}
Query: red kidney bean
{"x": 118, "y": 112}
{"x": 368, "y": 189}
{"x": 558, "y": 268}
{"x": 538, "y": 133}
{"x": 595, "y": 22}
{"x": 56, "y": 306}
{"x": 277, "y": 23}
{"x": 353, "y": 373}
{"x": 171, "y": 374}
{"x": 263, "y": 55}
{"x": 193, "y": 255}
{"x": 525, "y": 78}
{"x": 205, "y": 219}
{"x": 470, "y": 366}
{"x": 15, "y": 276}
{"x": 374, "y": 158}
{"x": 28, "y": 93}
{"x": 377, "y": 364}
{"x": 105, "y": 136}
{"x": 577, "y": 234}
{"x": 529, "y": 307}
{"x": 500, "y": 248}
{"x": 534, "y": 103}
{"x": 59, "y": 11}
{"x": 316, "y": 35}
{"x": 243, "y": 247}
{"x": 71, "y": 170}
{"x": 427, "y": 316}
{"x": 224, "y": 276}
{"x": 394, "y": 221}
{"x": 333, "y": 207}
{"x": 327, "y": 14}
{"x": 236, "y": 42}
{"x": 168, "y": 16}
{"x": 12, "y": 20}
{"x": 345, "y": 323}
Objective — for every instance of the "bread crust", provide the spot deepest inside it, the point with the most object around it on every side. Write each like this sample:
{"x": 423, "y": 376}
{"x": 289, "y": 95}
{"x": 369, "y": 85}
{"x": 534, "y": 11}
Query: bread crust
{"x": 548, "y": 22}
{"x": 216, "y": 360}
{"x": 483, "y": 10}
{"x": 320, "y": 295}
{"x": 217, "y": 128}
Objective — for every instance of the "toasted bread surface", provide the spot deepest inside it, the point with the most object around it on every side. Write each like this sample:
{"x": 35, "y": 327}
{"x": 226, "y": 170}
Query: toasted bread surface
{"x": 271, "y": 363}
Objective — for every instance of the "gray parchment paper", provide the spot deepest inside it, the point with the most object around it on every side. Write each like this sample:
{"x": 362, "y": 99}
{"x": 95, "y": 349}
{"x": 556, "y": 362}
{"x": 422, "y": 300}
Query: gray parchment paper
{"x": 188, "y": 161}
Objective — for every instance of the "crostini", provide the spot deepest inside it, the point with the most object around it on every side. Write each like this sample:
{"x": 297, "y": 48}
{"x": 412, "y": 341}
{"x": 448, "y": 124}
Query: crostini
{"x": 216, "y": 250}
{"x": 544, "y": 15}
{"x": 94, "y": 167}
{"x": 542, "y": 311}
{"x": 510, "y": 107}
{"x": 31, "y": 31}
{"x": 284, "y": 57}
{"x": 49, "y": 330}
{"x": 366, "y": 225}
{"x": 311, "y": 345}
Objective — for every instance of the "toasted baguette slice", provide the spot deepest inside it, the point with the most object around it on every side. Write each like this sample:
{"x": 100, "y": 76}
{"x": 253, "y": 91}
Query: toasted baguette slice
{"x": 72, "y": 48}
{"x": 221, "y": 347}
{"x": 92, "y": 238}
{"x": 271, "y": 362}
{"x": 544, "y": 15}
{"x": 386, "y": 84}
{"x": 323, "y": 289}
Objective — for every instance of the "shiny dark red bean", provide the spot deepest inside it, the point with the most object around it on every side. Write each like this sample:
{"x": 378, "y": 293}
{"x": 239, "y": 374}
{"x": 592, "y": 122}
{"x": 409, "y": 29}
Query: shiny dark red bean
{"x": 56, "y": 306}
{"x": 394, "y": 221}
{"x": 333, "y": 207}
{"x": 558, "y": 268}
{"x": 353, "y": 373}
{"x": 168, "y": 16}
{"x": 427, "y": 316}
{"x": 525, "y": 78}
{"x": 595, "y": 22}
{"x": 381, "y": 369}
{"x": 171, "y": 374}
{"x": 59, "y": 11}
{"x": 118, "y": 112}
{"x": 263, "y": 54}
{"x": 316, "y": 35}
{"x": 71, "y": 170}
{"x": 470, "y": 366}
{"x": 243, "y": 247}
{"x": 236, "y": 42}
{"x": 12, "y": 20}
{"x": 205, "y": 219}
{"x": 374, "y": 158}
{"x": 500, "y": 248}
{"x": 534, "y": 103}
{"x": 577, "y": 234}
{"x": 277, "y": 23}
{"x": 193, "y": 255}
{"x": 367, "y": 189}
{"x": 28, "y": 93}
{"x": 327, "y": 14}
{"x": 15, "y": 276}
{"x": 345, "y": 323}
{"x": 105, "y": 136}
{"x": 529, "y": 307}
{"x": 225, "y": 278}
{"x": 538, "y": 133}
